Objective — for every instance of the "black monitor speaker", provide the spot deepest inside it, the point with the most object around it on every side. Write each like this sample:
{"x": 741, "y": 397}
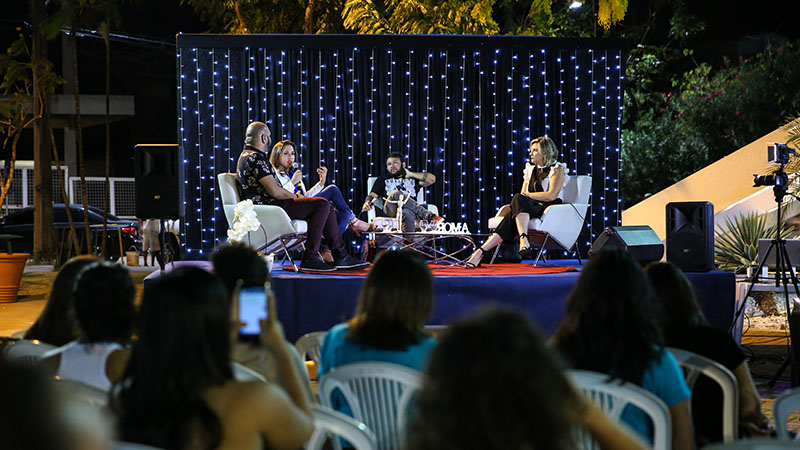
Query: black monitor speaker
{"x": 159, "y": 174}
{"x": 640, "y": 241}
{"x": 690, "y": 235}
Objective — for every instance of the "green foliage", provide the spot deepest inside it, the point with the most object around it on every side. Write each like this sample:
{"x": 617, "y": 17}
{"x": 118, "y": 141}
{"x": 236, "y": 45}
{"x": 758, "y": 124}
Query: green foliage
{"x": 420, "y": 17}
{"x": 256, "y": 16}
{"x": 16, "y": 85}
{"x": 707, "y": 115}
{"x": 737, "y": 245}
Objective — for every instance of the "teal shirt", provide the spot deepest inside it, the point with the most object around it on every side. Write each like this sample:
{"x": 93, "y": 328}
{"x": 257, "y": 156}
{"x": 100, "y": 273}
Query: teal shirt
{"x": 337, "y": 351}
{"x": 664, "y": 378}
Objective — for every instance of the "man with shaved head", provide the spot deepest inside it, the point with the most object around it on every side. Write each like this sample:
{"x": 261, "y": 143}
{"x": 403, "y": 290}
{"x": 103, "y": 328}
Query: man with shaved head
{"x": 257, "y": 179}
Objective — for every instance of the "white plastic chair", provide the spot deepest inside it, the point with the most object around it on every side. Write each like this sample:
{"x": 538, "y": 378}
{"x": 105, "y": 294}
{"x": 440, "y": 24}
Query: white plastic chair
{"x": 27, "y": 352}
{"x": 278, "y": 232}
{"x": 783, "y": 406}
{"x": 420, "y": 199}
{"x": 378, "y": 394}
{"x": 612, "y": 397}
{"x": 328, "y": 422}
{"x": 244, "y": 373}
{"x": 752, "y": 444}
{"x": 309, "y": 344}
{"x": 693, "y": 366}
{"x": 560, "y": 225}
{"x": 83, "y": 393}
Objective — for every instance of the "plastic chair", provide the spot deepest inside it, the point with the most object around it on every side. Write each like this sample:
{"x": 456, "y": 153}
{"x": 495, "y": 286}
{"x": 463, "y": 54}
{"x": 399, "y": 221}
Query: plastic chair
{"x": 378, "y": 394}
{"x": 27, "y": 352}
{"x": 783, "y": 406}
{"x": 278, "y": 232}
{"x": 84, "y": 393}
{"x": 308, "y": 346}
{"x": 693, "y": 366}
{"x": 328, "y": 422}
{"x": 612, "y": 397}
{"x": 244, "y": 373}
{"x": 560, "y": 225}
{"x": 752, "y": 444}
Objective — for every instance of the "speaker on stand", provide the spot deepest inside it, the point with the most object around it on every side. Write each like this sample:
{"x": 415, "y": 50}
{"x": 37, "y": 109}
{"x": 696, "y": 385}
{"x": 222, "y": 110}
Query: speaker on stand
{"x": 640, "y": 241}
{"x": 159, "y": 192}
{"x": 690, "y": 235}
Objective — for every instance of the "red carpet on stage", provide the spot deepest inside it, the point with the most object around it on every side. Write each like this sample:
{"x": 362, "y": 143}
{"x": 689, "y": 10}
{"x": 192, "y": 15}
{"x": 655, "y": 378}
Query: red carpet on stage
{"x": 455, "y": 271}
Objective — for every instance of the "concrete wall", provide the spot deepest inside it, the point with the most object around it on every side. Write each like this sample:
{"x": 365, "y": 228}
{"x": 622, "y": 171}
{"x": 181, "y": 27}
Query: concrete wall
{"x": 723, "y": 183}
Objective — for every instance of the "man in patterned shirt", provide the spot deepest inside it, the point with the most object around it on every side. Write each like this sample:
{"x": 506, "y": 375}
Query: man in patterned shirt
{"x": 257, "y": 179}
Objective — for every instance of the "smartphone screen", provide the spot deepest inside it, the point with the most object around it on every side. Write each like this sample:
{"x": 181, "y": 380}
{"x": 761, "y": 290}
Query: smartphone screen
{"x": 252, "y": 308}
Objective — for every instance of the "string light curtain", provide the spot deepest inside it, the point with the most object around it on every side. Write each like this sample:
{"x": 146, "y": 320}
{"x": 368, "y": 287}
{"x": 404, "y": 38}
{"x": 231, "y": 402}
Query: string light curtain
{"x": 463, "y": 108}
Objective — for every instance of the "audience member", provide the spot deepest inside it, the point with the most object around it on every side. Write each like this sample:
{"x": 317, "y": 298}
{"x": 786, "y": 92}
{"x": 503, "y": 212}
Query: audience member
{"x": 35, "y": 416}
{"x": 686, "y": 327}
{"x": 491, "y": 383}
{"x": 238, "y": 264}
{"x": 610, "y": 327}
{"x": 178, "y": 391}
{"x": 389, "y": 324}
{"x": 393, "y": 306}
{"x": 56, "y": 324}
{"x": 103, "y": 297}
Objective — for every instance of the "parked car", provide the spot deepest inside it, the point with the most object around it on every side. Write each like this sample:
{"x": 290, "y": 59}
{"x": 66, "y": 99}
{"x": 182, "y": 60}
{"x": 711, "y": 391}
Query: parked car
{"x": 21, "y": 223}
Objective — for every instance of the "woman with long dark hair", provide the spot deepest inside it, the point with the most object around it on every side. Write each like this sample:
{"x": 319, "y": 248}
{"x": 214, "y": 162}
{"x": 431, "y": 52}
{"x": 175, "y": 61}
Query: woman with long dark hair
{"x": 686, "y": 327}
{"x": 103, "y": 302}
{"x": 491, "y": 383}
{"x": 389, "y": 323}
{"x": 178, "y": 391}
{"x": 610, "y": 327}
{"x": 57, "y": 325}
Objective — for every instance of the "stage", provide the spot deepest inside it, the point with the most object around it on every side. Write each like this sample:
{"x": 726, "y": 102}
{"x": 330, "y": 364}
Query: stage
{"x": 316, "y": 302}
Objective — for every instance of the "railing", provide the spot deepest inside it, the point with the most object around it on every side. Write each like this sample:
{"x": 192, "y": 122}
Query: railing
{"x": 122, "y": 191}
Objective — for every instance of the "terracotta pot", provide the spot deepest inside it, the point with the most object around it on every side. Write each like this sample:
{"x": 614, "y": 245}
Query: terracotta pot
{"x": 11, "y": 267}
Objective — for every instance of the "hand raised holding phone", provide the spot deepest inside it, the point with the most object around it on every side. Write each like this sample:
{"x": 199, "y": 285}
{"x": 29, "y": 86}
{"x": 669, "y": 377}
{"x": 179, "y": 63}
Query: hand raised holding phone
{"x": 271, "y": 329}
{"x": 254, "y": 310}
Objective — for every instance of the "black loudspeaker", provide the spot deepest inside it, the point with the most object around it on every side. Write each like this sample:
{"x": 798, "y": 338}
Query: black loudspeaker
{"x": 690, "y": 235}
{"x": 640, "y": 241}
{"x": 159, "y": 172}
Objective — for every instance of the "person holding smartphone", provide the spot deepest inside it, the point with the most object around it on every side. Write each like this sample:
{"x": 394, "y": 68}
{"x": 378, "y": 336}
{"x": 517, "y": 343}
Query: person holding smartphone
{"x": 241, "y": 268}
{"x": 290, "y": 177}
{"x": 178, "y": 390}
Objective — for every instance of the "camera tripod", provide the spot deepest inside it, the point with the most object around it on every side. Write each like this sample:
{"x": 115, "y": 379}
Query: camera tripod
{"x": 783, "y": 273}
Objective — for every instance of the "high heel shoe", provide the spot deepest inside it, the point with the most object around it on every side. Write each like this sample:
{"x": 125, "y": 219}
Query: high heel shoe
{"x": 471, "y": 265}
{"x": 525, "y": 252}
{"x": 354, "y": 225}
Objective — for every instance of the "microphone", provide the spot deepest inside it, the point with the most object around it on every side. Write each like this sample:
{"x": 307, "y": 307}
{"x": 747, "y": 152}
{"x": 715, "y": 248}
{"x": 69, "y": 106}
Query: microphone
{"x": 299, "y": 186}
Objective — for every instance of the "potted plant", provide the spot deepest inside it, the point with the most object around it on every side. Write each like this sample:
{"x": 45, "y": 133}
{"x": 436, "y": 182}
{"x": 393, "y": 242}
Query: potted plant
{"x": 736, "y": 250}
{"x": 12, "y": 265}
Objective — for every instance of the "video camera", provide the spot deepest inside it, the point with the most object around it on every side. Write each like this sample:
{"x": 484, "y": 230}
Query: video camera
{"x": 776, "y": 153}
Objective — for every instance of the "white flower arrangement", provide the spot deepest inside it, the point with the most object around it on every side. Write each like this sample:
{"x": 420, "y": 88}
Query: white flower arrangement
{"x": 244, "y": 221}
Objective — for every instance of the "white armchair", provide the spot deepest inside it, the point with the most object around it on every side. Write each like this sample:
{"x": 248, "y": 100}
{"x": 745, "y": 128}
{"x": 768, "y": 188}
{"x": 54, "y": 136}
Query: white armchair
{"x": 560, "y": 225}
{"x": 278, "y": 231}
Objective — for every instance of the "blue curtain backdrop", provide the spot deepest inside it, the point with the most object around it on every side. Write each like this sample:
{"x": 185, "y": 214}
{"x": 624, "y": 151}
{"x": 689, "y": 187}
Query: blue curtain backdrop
{"x": 461, "y": 107}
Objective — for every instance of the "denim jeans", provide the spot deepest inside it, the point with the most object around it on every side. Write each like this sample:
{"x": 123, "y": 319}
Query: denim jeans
{"x": 344, "y": 215}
